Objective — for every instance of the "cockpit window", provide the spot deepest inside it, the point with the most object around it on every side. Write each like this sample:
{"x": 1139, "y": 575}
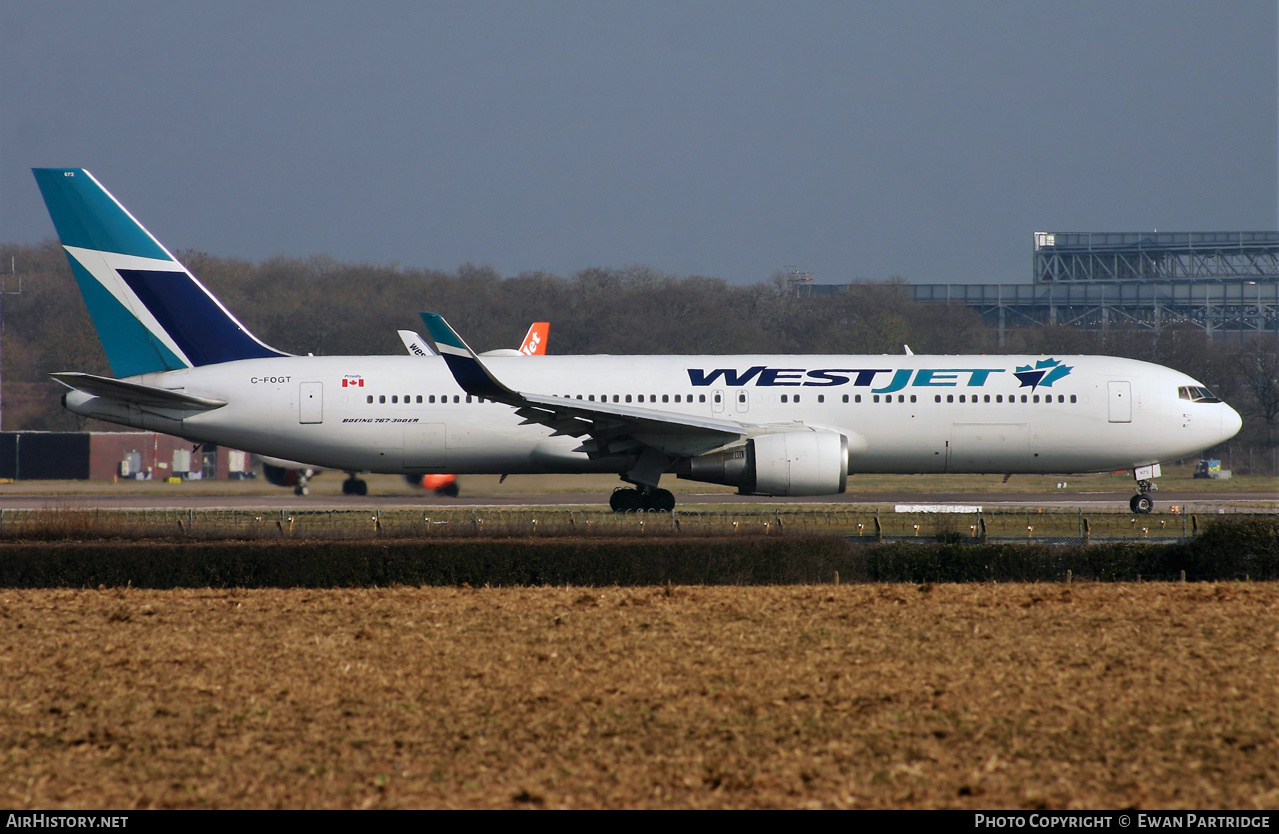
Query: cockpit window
{"x": 1197, "y": 394}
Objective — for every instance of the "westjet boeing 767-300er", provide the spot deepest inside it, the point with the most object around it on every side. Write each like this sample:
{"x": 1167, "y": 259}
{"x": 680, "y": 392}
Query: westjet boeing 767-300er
{"x": 768, "y": 425}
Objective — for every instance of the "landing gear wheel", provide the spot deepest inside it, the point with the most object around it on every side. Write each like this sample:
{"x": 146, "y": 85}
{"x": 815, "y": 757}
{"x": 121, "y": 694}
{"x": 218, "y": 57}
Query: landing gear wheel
{"x": 354, "y": 486}
{"x": 625, "y": 500}
{"x": 1141, "y": 504}
{"x": 301, "y": 490}
{"x": 659, "y": 501}
{"x": 448, "y": 491}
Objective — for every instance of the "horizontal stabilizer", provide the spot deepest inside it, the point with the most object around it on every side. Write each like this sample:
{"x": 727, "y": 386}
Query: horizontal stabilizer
{"x": 136, "y": 393}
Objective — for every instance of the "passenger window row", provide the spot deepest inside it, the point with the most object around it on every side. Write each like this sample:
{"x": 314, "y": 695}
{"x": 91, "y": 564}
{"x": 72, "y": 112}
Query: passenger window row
{"x": 652, "y": 398}
{"x": 1200, "y": 395}
{"x": 408, "y": 399}
{"x": 1012, "y": 398}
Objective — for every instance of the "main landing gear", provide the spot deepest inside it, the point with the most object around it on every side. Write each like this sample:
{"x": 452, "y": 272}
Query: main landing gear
{"x": 354, "y": 486}
{"x": 301, "y": 480}
{"x": 645, "y": 499}
{"x": 645, "y": 496}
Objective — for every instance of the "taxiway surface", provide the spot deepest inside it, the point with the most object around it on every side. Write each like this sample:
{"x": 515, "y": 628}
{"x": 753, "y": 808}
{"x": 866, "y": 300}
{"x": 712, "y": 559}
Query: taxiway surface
{"x": 1199, "y": 502}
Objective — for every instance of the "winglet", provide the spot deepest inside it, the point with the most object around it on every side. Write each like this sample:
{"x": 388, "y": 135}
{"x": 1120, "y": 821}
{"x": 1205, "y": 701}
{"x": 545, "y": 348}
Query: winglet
{"x": 465, "y": 366}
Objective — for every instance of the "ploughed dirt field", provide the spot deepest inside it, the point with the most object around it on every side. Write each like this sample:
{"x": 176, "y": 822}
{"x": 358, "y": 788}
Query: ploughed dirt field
{"x": 869, "y": 696}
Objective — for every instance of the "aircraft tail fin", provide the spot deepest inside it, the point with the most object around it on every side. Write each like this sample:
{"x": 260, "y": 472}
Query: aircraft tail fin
{"x": 414, "y": 344}
{"x": 151, "y": 314}
{"x": 535, "y": 340}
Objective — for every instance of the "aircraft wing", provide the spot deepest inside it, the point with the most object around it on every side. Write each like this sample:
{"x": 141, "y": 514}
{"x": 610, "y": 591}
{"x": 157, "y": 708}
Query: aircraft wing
{"x": 612, "y": 428}
{"x": 135, "y": 393}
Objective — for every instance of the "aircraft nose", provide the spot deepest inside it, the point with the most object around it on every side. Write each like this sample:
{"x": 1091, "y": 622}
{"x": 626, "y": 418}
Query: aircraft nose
{"x": 1231, "y": 422}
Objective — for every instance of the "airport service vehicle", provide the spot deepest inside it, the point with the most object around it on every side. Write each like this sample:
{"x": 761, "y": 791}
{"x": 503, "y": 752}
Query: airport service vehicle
{"x": 766, "y": 424}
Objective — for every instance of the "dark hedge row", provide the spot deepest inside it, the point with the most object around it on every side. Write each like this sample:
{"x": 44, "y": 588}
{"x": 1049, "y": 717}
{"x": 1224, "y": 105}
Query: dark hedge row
{"x": 1225, "y": 551}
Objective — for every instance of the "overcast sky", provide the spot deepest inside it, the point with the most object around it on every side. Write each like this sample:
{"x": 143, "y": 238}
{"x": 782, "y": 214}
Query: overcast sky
{"x": 858, "y": 140}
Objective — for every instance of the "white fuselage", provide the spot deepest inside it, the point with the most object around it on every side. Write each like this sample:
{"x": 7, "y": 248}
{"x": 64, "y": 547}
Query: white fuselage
{"x": 901, "y": 414}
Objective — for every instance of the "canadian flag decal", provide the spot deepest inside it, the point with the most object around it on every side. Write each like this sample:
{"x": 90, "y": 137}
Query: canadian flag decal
{"x": 352, "y": 381}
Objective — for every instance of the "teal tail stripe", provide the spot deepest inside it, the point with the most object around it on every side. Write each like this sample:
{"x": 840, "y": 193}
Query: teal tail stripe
{"x": 86, "y": 216}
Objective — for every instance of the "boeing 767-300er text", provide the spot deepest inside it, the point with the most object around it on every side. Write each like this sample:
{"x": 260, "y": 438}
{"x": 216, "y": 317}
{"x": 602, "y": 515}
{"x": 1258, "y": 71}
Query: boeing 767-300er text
{"x": 768, "y": 425}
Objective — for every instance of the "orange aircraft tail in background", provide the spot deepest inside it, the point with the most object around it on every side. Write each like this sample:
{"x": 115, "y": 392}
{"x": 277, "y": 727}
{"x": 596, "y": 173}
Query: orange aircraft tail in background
{"x": 535, "y": 339}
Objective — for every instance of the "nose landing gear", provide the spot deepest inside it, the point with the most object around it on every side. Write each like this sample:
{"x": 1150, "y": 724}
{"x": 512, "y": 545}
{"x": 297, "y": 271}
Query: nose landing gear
{"x": 1142, "y": 503}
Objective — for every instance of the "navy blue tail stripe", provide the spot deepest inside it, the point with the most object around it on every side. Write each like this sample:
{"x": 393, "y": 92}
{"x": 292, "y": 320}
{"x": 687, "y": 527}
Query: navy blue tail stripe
{"x": 203, "y": 331}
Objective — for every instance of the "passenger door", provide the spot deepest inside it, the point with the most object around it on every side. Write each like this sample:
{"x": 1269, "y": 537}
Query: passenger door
{"x": 311, "y": 402}
{"x": 1120, "y": 393}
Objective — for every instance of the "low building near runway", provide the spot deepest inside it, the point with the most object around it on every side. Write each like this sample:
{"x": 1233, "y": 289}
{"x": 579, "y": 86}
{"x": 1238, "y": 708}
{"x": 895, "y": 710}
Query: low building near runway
{"x": 40, "y": 455}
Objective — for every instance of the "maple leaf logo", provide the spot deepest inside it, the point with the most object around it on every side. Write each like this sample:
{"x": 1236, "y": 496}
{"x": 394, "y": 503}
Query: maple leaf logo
{"x": 1044, "y": 372}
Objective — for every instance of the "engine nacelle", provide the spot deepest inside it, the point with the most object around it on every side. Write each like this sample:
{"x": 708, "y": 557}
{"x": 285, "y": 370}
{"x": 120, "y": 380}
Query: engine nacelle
{"x": 783, "y": 463}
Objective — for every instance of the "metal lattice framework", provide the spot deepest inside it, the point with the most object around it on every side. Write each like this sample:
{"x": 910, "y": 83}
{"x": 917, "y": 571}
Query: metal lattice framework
{"x": 1223, "y": 282}
{"x": 1070, "y": 257}
{"x": 1241, "y": 307}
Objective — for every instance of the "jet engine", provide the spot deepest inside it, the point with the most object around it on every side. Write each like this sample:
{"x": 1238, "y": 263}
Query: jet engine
{"x": 783, "y": 463}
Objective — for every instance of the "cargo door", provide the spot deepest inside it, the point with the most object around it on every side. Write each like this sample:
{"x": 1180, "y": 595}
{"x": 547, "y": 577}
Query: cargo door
{"x": 986, "y": 448}
{"x": 424, "y": 447}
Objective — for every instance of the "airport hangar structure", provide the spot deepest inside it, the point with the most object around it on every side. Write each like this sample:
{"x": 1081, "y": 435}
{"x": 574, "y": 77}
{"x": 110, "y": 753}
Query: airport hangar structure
{"x": 1226, "y": 283}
